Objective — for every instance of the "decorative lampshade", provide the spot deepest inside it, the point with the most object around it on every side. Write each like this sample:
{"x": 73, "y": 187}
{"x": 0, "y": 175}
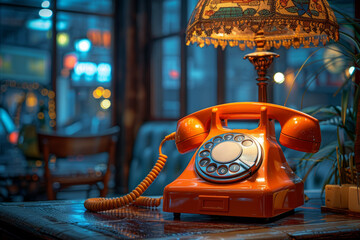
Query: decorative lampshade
{"x": 262, "y": 24}
{"x": 279, "y": 23}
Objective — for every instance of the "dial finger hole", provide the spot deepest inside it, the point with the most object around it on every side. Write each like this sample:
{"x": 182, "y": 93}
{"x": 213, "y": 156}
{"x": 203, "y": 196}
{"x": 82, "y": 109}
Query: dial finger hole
{"x": 218, "y": 139}
{"x": 211, "y": 168}
{"x": 209, "y": 145}
{"x": 247, "y": 143}
{"x": 239, "y": 138}
{"x": 205, "y": 153}
{"x": 228, "y": 137}
{"x": 222, "y": 170}
{"x": 204, "y": 162}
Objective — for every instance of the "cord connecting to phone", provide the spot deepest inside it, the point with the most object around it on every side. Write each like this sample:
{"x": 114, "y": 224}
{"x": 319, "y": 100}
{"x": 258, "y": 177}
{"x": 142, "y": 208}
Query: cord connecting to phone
{"x": 134, "y": 197}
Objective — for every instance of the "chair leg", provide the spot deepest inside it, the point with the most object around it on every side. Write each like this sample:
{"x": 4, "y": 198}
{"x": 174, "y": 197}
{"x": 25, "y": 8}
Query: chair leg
{"x": 50, "y": 191}
{"x": 104, "y": 191}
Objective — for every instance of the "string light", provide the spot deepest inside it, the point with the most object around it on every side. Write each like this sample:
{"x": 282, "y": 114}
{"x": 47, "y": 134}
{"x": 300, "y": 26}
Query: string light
{"x": 31, "y": 99}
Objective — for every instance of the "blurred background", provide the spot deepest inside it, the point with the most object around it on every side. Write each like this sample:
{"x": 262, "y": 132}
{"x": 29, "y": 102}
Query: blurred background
{"x": 81, "y": 66}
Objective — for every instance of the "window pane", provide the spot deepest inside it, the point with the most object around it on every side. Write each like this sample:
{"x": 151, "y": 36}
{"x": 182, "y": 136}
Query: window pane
{"x": 34, "y": 3}
{"x": 240, "y": 77}
{"x": 324, "y": 72}
{"x": 25, "y": 65}
{"x": 314, "y": 85}
{"x": 191, "y": 6}
{"x": 165, "y": 66}
{"x": 94, "y": 6}
{"x": 84, "y": 73}
{"x": 165, "y": 17}
{"x": 201, "y": 79}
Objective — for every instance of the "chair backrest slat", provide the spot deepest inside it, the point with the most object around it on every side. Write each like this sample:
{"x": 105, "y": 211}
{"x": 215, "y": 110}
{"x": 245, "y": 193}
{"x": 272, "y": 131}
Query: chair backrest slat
{"x": 64, "y": 146}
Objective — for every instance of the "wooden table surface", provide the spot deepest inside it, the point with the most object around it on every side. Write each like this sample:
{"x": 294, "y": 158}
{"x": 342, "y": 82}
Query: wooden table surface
{"x": 69, "y": 220}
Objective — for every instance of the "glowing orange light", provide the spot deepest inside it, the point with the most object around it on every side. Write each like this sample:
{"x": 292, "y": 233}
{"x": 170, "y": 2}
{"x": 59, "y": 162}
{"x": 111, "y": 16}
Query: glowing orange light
{"x": 98, "y": 92}
{"x": 51, "y": 94}
{"x": 44, "y": 92}
{"x": 106, "y": 93}
{"x": 174, "y": 74}
{"x": 70, "y": 61}
{"x": 31, "y": 100}
{"x": 40, "y": 115}
{"x": 107, "y": 39}
{"x": 13, "y": 137}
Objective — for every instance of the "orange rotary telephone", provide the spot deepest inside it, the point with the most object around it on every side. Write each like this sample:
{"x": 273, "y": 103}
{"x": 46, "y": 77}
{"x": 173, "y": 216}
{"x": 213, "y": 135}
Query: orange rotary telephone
{"x": 237, "y": 172}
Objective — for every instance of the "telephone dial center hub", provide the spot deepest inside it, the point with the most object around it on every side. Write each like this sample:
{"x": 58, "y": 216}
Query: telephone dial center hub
{"x": 226, "y": 152}
{"x": 228, "y": 157}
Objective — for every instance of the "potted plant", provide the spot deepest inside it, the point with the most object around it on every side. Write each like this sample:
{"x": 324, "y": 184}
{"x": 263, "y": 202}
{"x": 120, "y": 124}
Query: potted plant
{"x": 340, "y": 153}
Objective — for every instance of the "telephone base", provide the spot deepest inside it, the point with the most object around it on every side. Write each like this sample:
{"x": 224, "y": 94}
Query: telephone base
{"x": 240, "y": 202}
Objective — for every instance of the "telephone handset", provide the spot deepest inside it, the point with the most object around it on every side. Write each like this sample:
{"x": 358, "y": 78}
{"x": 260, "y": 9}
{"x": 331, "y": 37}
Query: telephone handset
{"x": 234, "y": 172}
{"x": 299, "y": 131}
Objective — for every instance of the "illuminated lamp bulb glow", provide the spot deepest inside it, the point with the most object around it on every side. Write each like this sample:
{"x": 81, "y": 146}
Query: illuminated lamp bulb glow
{"x": 105, "y": 104}
{"x": 83, "y": 45}
{"x": 45, "y": 13}
{"x": 279, "y": 77}
{"x": 351, "y": 70}
{"x": 45, "y": 4}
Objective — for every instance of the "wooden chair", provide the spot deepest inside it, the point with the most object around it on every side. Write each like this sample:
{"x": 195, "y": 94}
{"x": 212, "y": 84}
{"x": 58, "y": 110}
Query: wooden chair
{"x": 63, "y": 146}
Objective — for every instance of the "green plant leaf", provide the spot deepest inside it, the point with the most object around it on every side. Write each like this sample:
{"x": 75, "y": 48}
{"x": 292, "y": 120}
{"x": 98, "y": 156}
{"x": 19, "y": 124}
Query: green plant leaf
{"x": 344, "y": 105}
{"x": 340, "y": 138}
{"x": 297, "y": 74}
{"x": 356, "y": 101}
{"x": 352, "y": 39}
{"x": 343, "y": 85}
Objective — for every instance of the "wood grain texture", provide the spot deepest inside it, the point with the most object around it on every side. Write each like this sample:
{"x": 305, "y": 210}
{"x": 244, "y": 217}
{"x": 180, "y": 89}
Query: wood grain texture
{"x": 69, "y": 220}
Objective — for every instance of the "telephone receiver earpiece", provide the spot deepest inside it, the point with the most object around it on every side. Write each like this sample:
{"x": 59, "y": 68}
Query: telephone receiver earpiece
{"x": 299, "y": 131}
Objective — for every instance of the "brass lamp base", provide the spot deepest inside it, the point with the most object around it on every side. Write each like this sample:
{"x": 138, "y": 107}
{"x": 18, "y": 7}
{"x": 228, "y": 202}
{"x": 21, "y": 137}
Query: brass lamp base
{"x": 262, "y": 61}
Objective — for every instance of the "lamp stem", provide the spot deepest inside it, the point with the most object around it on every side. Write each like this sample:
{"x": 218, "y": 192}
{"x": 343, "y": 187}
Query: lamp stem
{"x": 261, "y": 61}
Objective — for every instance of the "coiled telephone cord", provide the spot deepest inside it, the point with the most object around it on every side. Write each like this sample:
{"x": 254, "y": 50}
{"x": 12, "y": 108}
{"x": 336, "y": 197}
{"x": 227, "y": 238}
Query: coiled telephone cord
{"x": 134, "y": 197}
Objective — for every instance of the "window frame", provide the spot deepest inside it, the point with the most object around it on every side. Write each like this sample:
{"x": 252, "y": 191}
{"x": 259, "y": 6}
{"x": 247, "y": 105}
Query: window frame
{"x": 220, "y": 60}
{"x": 115, "y": 31}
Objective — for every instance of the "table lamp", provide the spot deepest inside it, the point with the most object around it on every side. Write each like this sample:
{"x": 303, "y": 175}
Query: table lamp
{"x": 262, "y": 24}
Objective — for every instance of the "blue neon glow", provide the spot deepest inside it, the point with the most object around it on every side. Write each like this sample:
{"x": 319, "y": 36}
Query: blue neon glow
{"x": 45, "y": 13}
{"x": 45, "y": 4}
{"x": 83, "y": 45}
{"x": 39, "y": 24}
{"x": 90, "y": 71}
{"x": 104, "y": 72}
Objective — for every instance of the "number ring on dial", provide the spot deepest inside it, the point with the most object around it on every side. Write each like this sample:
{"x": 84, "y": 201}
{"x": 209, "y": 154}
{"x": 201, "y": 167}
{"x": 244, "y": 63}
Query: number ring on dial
{"x": 228, "y": 157}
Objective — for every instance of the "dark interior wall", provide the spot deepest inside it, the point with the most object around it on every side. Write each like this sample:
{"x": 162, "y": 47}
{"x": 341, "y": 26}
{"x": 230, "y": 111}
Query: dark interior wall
{"x": 132, "y": 91}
